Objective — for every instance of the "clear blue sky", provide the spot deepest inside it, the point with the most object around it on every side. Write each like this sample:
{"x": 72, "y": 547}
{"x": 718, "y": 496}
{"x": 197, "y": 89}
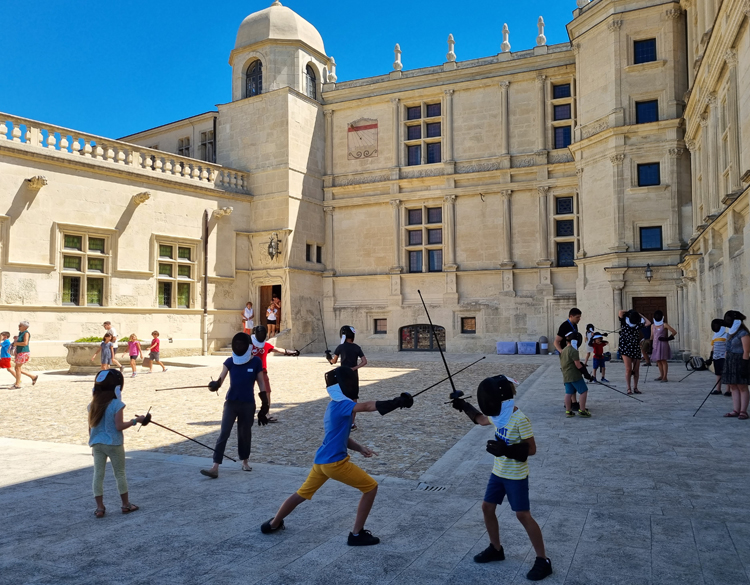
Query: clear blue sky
{"x": 114, "y": 68}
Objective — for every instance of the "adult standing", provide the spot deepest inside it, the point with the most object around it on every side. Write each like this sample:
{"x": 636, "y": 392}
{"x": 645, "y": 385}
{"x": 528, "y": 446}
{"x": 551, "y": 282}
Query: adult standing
{"x": 277, "y": 303}
{"x": 570, "y": 325}
{"x": 113, "y": 332}
{"x": 248, "y": 317}
{"x": 631, "y": 323}
{"x": 23, "y": 353}
{"x": 661, "y": 334}
{"x": 737, "y": 366}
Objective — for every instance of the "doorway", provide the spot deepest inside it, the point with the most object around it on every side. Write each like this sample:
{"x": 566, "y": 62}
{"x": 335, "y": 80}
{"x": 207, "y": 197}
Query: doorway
{"x": 646, "y": 306}
{"x": 267, "y": 296}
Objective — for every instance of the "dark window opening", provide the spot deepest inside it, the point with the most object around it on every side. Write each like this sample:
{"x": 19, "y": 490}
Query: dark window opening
{"x": 308, "y": 252}
{"x": 415, "y": 217}
{"x": 421, "y": 338}
{"x": 415, "y": 261}
{"x": 415, "y": 237}
{"x": 561, "y": 91}
{"x": 380, "y": 326}
{"x": 562, "y": 137}
{"x": 646, "y": 112}
{"x": 414, "y": 113}
{"x": 319, "y": 254}
{"x": 71, "y": 290}
{"x": 414, "y": 155}
{"x": 310, "y": 80}
{"x": 435, "y": 236}
{"x": 435, "y": 215}
{"x": 165, "y": 294}
{"x": 433, "y": 130}
{"x": 564, "y": 228}
{"x": 435, "y": 260}
{"x": 651, "y": 238}
{"x": 433, "y": 153}
{"x": 562, "y": 112}
{"x": 644, "y": 51}
{"x": 564, "y": 205}
{"x": 468, "y": 325}
{"x": 254, "y": 79}
{"x": 648, "y": 175}
{"x": 565, "y": 254}
{"x": 413, "y": 132}
{"x": 433, "y": 110}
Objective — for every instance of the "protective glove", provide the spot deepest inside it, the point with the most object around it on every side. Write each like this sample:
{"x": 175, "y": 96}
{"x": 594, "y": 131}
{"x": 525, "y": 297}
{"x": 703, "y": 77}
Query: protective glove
{"x": 146, "y": 419}
{"x": 467, "y": 408}
{"x": 294, "y": 353}
{"x": 404, "y": 400}
{"x": 407, "y": 401}
{"x": 214, "y": 385}
{"x": 459, "y": 404}
{"x": 519, "y": 452}
{"x": 585, "y": 373}
{"x": 710, "y": 360}
{"x": 496, "y": 448}
{"x": 264, "y": 408}
{"x": 329, "y": 357}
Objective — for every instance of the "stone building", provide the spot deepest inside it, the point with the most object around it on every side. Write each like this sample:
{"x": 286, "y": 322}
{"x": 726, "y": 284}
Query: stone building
{"x": 506, "y": 189}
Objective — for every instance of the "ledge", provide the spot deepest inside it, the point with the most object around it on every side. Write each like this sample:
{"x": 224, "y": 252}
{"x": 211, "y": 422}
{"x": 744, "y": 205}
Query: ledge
{"x": 658, "y": 64}
{"x": 647, "y": 190}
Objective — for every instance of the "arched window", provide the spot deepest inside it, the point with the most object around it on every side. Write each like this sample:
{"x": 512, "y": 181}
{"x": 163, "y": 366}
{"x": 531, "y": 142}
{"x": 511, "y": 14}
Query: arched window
{"x": 420, "y": 338}
{"x": 310, "y": 88}
{"x": 254, "y": 79}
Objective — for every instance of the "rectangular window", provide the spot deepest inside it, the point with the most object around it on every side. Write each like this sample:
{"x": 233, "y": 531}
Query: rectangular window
{"x": 308, "y": 252}
{"x": 96, "y": 265}
{"x": 183, "y": 253}
{"x": 646, "y": 112}
{"x": 415, "y": 237}
{"x": 381, "y": 326}
{"x": 564, "y": 205}
{"x": 648, "y": 175}
{"x": 433, "y": 110}
{"x": 562, "y": 137}
{"x": 433, "y": 153}
{"x": 562, "y": 112}
{"x": 433, "y": 130}
{"x": 651, "y": 238}
{"x": 415, "y": 216}
{"x": 95, "y": 291}
{"x": 183, "y": 271}
{"x": 319, "y": 254}
{"x": 165, "y": 270}
{"x": 72, "y": 263}
{"x": 561, "y": 91}
{"x": 166, "y": 251}
{"x": 564, "y": 228}
{"x": 434, "y": 215}
{"x": 565, "y": 254}
{"x": 73, "y": 242}
{"x": 165, "y": 294}
{"x": 644, "y": 51}
{"x": 414, "y": 155}
{"x": 413, "y": 132}
{"x": 207, "y": 146}
{"x": 435, "y": 236}
{"x": 183, "y": 146}
{"x": 435, "y": 258}
{"x": 183, "y": 295}
{"x": 468, "y": 325}
{"x": 414, "y": 113}
{"x": 71, "y": 294}
{"x": 96, "y": 245}
{"x": 415, "y": 261}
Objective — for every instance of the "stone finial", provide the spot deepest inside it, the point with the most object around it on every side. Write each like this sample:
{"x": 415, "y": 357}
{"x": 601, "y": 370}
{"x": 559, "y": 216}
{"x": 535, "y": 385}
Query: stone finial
{"x": 582, "y": 3}
{"x": 141, "y": 198}
{"x": 37, "y": 182}
{"x": 451, "y": 56}
{"x": 332, "y": 70}
{"x": 397, "y": 65}
{"x": 541, "y": 40}
{"x": 223, "y": 212}
{"x": 505, "y": 47}
{"x": 276, "y": 3}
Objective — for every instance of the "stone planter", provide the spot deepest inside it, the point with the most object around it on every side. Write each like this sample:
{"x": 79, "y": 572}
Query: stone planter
{"x": 79, "y": 357}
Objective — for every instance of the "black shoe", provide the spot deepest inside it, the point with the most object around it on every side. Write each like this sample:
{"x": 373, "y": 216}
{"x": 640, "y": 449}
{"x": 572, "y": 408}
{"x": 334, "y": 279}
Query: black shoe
{"x": 490, "y": 554}
{"x": 266, "y": 527}
{"x": 542, "y": 568}
{"x": 364, "y": 538}
{"x": 574, "y": 407}
{"x": 716, "y": 392}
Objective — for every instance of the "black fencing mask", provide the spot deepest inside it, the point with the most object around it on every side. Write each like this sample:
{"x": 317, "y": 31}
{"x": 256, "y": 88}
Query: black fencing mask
{"x": 241, "y": 348}
{"x": 260, "y": 332}
{"x": 492, "y": 392}
{"x": 109, "y": 380}
{"x": 347, "y": 332}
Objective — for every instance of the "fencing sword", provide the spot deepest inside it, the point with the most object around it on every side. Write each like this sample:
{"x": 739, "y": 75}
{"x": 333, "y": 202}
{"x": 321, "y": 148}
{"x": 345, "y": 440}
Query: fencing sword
{"x": 616, "y": 390}
{"x": 148, "y": 420}
{"x": 648, "y": 368}
{"x": 709, "y": 394}
{"x": 323, "y": 325}
{"x": 444, "y": 379}
{"x": 690, "y": 374}
{"x": 299, "y": 351}
{"x": 147, "y": 416}
{"x": 189, "y": 388}
{"x": 456, "y": 393}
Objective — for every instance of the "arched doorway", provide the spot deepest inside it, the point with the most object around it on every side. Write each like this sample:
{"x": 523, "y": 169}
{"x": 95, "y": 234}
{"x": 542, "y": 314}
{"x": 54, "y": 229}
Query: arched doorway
{"x": 420, "y": 338}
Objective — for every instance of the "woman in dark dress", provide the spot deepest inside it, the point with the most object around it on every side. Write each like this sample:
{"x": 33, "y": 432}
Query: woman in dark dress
{"x": 630, "y": 345}
{"x": 737, "y": 366}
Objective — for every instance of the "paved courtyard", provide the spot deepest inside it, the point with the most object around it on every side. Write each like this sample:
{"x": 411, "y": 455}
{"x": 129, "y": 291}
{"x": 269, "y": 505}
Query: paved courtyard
{"x": 640, "y": 493}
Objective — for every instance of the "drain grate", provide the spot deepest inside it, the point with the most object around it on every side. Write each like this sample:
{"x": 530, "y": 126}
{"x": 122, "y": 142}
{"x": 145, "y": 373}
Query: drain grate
{"x": 425, "y": 487}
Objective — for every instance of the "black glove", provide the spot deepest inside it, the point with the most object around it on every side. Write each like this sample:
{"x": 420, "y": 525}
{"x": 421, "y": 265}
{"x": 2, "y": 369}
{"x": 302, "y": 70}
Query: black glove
{"x": 459, "y": 404}
{"x": 329, "y": 357}
{"x": 462, "y": 406}
{"x": 214, "y": 385}
{"x": 585, "y": 373}
{"x": 665, "y": 338}
{"x": 293, "y": 353}
{"x": 710, "y": 359}
{"x": 519, "y": 451}
{"x": 496, "y": 448}
{"x": 264, "y": 408}
{"x": 146, "y": 420}
{"x": 405, "y": 400}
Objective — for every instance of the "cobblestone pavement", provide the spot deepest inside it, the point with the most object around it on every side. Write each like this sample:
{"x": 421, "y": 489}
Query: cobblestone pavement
{"x": 55, "y": 409}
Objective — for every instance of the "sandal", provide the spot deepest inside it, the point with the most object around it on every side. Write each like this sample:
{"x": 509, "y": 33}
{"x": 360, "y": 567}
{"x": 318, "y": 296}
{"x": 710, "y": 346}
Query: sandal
{"x": 630, "y": 391}
{"x": 743, "y": 415}
{"x": 733, "y": 414}
{"x": 129, "y": 508}
{"x": 34, "y": 379}
{"x": 15, "y": 387}
{"x": 637, "y": 391}
{"x": 99, "y": 512}
{"x": 246, "y": 467}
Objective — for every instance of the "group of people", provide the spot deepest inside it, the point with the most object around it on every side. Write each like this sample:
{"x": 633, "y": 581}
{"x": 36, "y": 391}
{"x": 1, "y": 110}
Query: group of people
{"x": 512, "y": 445}
{"x": 17, "y": 351}
{"x": 273, "y": 317}
{"x": 107, "y": 351}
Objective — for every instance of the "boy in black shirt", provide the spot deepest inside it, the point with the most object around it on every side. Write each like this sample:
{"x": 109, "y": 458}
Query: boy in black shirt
{"x": 351, "y": 356}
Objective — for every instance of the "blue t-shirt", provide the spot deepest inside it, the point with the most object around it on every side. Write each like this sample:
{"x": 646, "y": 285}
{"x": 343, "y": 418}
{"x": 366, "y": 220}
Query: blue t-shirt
{"x": 338, "y": 425}
{"x": 5, "y": 348}
{"x": 242, "y": 379}
{"x": 105, "y": 432}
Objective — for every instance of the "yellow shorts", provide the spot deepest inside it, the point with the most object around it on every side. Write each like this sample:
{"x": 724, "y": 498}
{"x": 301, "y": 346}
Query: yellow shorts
{"x": 343, "y": 471}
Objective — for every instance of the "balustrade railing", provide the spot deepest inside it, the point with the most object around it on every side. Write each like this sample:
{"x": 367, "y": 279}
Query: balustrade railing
{"x": 79, "y": 144}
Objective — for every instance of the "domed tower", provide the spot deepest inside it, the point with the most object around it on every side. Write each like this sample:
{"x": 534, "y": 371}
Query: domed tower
{"x": 277, "y": 48}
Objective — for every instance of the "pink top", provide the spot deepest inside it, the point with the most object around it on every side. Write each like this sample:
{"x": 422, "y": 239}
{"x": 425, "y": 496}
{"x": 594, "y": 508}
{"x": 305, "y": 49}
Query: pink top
{"x": 134, "y": 347}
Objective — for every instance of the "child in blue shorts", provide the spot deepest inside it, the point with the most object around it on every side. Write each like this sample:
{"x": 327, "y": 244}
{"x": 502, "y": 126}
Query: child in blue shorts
{"x": 512, "y": 445}
{"x": 573, "y": 374}
{"x": 598, "y": 343}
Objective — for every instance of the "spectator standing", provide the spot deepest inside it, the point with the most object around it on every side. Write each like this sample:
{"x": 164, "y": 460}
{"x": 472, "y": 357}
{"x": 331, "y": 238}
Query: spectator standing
{"x": 271, "y": 313}
{"x": 113, "y": 334}
{"x": 23, "y": 352}
{"x": 248, "y": 316}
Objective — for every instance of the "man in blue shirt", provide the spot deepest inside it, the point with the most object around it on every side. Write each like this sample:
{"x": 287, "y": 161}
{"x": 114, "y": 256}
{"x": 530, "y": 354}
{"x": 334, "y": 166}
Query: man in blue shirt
{"x": 243, "y": 370}
{"x": 332, "y": 459}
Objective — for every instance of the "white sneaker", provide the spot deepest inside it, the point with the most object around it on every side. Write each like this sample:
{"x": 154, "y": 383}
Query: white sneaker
{"x": 133, "y": 376}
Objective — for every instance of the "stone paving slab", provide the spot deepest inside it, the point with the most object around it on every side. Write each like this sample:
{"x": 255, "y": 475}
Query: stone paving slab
{"x": 640, "y": 493}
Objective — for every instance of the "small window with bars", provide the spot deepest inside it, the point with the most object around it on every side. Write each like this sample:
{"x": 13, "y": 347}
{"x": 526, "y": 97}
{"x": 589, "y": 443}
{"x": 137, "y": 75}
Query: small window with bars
{"x": 644, "y": 51}
{"x": 176, "y": 275}
{"x": 649, "y": 175}
{"x": 646, "y": 112}
{"x": 565, "y": 253}
{"x": 84, "y": 269}
{"x": 424, "y": 230}
{"x": 423, "y": 134}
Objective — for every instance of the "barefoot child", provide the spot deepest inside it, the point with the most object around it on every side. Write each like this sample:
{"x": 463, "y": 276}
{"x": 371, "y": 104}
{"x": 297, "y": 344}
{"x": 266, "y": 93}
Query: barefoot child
{"x": 134, "y": 351}
{"x": 5, "y": 346}
{"x": 105, "y": 348}
{"x": 153, "y": 353}
{"x": 106, "y": 424}
{"x": 332, "y": 460}
{"x": 512, "y": 446}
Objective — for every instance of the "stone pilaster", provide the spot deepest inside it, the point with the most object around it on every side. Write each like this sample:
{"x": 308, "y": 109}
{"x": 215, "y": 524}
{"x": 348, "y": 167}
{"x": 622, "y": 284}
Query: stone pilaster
{"x": 673, "y": 233}
{"x": 579, "y": 215}
{"x": 397, "y": 268}
{"x": 618, "y": 203}
{"x": 329, "y": 258}
{"x": 329, "y": 141}
{"x": 544, "y": 259}
{"x": 507, "y": 230}
{"x": 504, "y": 118}
{"x": 691, "y": 146}
{"x": 732, "y": 118}
{"x": 447, "y": 130}
{"x": 396, "y": 112}
{"x": 541, "y": 137}
{"x": 449, "y": 244}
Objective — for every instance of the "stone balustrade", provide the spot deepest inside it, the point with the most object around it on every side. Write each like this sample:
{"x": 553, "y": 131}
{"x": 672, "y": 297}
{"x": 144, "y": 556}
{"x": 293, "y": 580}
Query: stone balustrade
{"x": 49, "y": 137}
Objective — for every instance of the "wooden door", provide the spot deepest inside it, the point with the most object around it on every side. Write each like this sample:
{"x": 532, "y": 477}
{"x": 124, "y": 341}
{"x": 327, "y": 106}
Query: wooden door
{"x": 646, "y": 306}
{"x": 266, "y": 294}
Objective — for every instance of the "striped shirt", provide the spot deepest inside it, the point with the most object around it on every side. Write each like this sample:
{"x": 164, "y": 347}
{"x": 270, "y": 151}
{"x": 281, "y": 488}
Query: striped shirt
{"x": 517, "y": 429}
{"x": 719, "y": 346}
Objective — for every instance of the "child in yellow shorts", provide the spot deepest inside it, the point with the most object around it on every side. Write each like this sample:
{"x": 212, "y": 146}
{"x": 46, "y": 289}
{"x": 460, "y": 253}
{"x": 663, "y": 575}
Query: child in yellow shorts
{"x": 332, "y": 460}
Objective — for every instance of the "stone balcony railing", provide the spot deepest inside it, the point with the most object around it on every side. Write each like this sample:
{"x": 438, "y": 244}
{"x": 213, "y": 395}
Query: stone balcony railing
{"x": 79, "y": 145}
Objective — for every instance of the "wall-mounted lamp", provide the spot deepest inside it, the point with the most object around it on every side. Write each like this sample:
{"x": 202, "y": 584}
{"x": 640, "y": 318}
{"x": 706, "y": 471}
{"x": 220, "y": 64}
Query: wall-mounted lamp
{"x": 37, "y": 182}
{"x": 142, "y": 197}
{"x": 274, "y": 246}
{"x": 649, "y": 272}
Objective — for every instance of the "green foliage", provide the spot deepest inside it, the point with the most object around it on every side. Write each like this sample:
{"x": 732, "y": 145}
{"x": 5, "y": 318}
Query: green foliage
{"x": 91, "y": 339}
